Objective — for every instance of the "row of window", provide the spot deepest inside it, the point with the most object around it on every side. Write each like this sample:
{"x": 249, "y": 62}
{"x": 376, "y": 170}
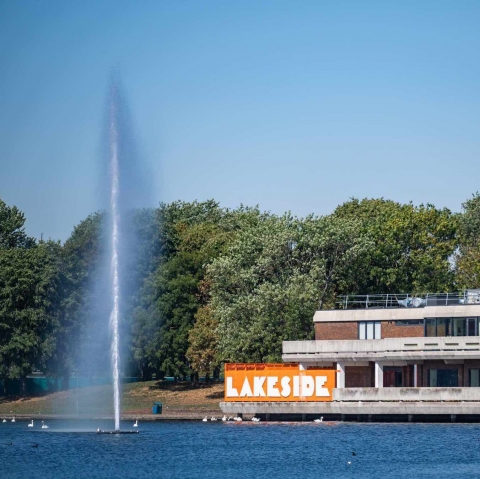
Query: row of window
{"x": 434, "y": 327}
{"x": 442, "y": 327}
{"x": 444, "y": 378}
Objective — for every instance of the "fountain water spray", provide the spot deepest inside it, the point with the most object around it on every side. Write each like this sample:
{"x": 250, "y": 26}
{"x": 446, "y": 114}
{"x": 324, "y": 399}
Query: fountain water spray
{"x": 115, "y": 247}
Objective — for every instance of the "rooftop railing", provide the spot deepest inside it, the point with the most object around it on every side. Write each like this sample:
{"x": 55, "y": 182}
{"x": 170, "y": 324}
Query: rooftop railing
{"x": 404, "y": 300}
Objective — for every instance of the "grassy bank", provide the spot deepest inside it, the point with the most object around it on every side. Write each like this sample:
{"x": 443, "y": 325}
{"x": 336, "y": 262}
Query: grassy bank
{"x": 179, "y": 400}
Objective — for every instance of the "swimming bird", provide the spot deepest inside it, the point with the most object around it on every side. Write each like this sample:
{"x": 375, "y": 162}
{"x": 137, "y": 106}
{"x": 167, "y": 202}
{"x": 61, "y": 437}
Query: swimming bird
{"x": 205, "y": 419}
{"x": 44, "y": 426}
{"x": 255, "y": 419}
{"x": 318, "y": 420}
{"x": 354, "y": 453}
{"x": 4, "y": 420}
{"x": 238, "y": 419}
{"x": 224, "y": 418}
{"x": 31, "y": 424}
{"x": 213, "y": 419}
{"x": 349, "y": 462}
{"x": 136, "y": 423}
{"x": 13, "y": 419}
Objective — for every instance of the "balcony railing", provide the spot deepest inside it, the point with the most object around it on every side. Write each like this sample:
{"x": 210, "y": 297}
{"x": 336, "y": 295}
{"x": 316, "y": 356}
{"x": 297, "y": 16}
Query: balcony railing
{"x": 404, "y": 300}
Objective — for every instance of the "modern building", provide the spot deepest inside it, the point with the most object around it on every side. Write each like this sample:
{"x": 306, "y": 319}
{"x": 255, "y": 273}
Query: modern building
{"x": 394, "y": 357}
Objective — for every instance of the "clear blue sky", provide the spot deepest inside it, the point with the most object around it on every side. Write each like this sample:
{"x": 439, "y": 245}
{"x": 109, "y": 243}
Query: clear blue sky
{"x": 290, "y": 105}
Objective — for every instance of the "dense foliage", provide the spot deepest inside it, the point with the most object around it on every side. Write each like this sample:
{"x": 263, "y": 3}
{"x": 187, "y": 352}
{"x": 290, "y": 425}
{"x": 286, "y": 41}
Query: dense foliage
{"x": 209, "y": 285}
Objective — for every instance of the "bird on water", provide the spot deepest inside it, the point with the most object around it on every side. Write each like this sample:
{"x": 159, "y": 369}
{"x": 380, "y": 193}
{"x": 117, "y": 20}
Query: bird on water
{"x": 44, "y": 426}
{"x": 31, "y": 424}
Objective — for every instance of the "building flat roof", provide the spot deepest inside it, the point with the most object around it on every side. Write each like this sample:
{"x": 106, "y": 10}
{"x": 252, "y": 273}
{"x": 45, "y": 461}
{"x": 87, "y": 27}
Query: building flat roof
{"x": 394, "y": 314}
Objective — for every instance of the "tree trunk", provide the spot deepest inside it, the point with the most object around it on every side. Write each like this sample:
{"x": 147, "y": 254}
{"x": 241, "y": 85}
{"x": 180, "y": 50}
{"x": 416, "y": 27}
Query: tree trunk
{"x": 146, "y": 373}
{"x": 23, "y": 386}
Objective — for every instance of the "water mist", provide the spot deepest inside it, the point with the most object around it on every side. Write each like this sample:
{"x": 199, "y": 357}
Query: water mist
{"x": 114, "y": 250}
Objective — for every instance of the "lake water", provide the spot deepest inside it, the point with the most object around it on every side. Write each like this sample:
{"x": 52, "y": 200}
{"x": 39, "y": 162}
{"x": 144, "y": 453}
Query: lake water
{"x": 240, "y": 450}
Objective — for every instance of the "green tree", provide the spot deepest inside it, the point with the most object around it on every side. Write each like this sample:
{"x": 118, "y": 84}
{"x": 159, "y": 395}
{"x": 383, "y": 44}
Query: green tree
{"x": 190, "y": 235}
{"x": 468, "y": 254}
{"x": 79, "y": 268}
{"x": 413, "y": 246}
{"x": 29, "y": 283}
{"x": 203, "y": 342}
{"x": 267, "y": 285}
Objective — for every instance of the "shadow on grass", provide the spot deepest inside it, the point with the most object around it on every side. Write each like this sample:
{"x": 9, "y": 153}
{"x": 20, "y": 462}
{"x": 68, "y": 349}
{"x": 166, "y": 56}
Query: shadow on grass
{"x": 216, "y": 395}
{"x": 181, "y": 386}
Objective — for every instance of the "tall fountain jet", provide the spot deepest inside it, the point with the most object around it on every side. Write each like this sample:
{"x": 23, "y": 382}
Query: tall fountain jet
{"x": 115, "y": 245}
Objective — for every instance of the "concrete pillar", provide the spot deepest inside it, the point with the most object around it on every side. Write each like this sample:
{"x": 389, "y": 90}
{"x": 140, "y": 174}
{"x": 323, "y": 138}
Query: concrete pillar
{"x": 340, "y": 376}
{"x": 415, "y": 375}
{"x": 378, "y": 375}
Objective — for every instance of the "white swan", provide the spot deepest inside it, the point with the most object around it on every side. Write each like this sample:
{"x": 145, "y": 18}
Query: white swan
{"x": 44, "y": 426}
{"x": 318, "y": 420}
{"x": 255, "y": 419}
{"x": 136, "y": 423}
{"x": 213, "y": 419}
{"x": 205, "y": 419}
{"x": 31, "y": 424}
{"x": 238, "y": 419}
{"x": 13, "y": 419}
{"x": 224, "y": 418}
{"x": 4, "y": 420}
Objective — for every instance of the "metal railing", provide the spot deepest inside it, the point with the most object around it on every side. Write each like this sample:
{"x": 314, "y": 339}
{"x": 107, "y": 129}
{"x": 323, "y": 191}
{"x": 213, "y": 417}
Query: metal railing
{"x": 405, "y": 300}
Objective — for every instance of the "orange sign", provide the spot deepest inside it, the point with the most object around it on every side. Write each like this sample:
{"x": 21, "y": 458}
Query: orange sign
{"x": 277, "y": 382}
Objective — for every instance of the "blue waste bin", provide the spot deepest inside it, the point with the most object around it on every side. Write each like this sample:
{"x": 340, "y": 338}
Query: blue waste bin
{"x": 157, "y": 408}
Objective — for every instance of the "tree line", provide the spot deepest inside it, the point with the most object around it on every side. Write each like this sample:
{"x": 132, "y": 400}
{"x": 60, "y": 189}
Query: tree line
{"x": 210, "y": 284}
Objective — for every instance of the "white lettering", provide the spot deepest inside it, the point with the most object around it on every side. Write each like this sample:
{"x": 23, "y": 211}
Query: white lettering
{"x": 296, "y": 386}
{"x": 231, "y": 391}
{"x": 246, "y": 389}
{"x": 272, "y": 391}
{"x": 286, "y": 389}
{"x": 308, "y": 386}
{"x": 320, "y": 391}
{"x": 258, "y": 383}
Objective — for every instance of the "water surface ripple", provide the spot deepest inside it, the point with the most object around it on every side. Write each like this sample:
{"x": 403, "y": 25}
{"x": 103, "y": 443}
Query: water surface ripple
{"x": 244, "y": 450}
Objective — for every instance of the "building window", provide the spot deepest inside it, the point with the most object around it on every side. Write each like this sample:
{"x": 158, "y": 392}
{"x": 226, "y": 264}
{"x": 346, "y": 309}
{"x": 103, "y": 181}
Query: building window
{"x": 369, "y": 330}
{"x": 409, "y": 322}
{"x": 459, "y": 328}
{"x": 443, "y": 327}
{"x": 474, "y": 378}
{"x": 430, "y": 327}
{"x": 443, "y": 378}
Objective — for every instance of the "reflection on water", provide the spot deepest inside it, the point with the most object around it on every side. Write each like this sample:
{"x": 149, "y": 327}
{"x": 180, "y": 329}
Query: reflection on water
{"x": 239, "y": 450}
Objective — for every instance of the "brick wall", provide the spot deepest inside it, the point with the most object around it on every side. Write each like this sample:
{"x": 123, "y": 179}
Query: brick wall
{"x": 336, "y": 330}
{"x": 391, "y": 330}
{"x": 358, "y": 377}
{"x": 349, "y": 330}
